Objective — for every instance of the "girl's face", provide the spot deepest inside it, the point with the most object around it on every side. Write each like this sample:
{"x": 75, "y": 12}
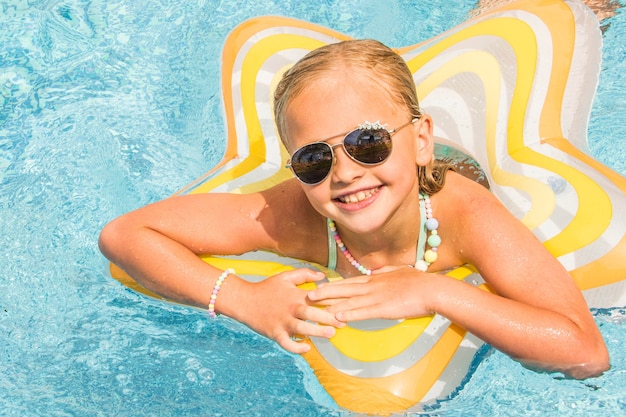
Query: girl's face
{"x": 361, "y": 198}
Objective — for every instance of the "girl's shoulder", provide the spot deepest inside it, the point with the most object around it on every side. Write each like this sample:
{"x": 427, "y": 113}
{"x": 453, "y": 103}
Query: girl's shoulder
{"x": 288, "y": 200}
{"x": 462, "y": 194}
{"x": 297, "y": 228}
{"x": 481, "y": 225}
{"x": 464, "y": 205}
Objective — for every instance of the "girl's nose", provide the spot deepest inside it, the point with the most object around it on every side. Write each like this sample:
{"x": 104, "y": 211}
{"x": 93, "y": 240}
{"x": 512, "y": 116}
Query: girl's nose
{"x": 345, "y": 169}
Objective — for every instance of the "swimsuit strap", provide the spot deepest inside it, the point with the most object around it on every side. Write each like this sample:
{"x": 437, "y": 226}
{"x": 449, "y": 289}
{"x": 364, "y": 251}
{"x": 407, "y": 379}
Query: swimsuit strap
{"x": 421, "y": 240}
{"x": 332, "y": 247}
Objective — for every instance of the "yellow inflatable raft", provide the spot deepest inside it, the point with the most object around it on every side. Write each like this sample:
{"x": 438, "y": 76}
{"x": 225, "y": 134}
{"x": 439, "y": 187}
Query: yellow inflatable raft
{"x": 513, "y": 89}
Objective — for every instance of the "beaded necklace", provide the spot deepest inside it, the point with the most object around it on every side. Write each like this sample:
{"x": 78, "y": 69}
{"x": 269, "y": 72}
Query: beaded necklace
{"x": 422, "y": 258}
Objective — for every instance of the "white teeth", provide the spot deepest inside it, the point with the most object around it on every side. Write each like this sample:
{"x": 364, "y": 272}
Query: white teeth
{"x": 355, "y": 198}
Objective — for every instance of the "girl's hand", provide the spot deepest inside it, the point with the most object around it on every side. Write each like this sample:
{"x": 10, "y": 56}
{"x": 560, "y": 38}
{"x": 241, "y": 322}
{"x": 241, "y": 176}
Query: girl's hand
{"x": 279, "y": 310}
{"x": 389, "y": 293}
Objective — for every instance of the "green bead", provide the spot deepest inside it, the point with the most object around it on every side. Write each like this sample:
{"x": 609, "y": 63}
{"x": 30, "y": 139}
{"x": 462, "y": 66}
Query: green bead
{"x": 434, "y": 241}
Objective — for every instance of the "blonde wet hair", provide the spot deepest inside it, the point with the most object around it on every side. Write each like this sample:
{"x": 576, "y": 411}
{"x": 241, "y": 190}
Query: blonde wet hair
{"x": 378, "y": 64}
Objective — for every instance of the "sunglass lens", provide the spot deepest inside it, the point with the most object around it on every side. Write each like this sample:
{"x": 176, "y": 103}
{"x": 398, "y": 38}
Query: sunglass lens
{"x": 312, "y": 163}
{"x": 369, "y": 146}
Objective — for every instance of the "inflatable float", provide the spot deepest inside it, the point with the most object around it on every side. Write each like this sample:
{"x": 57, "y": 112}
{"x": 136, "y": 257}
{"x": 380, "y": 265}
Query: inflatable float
{"x": 511, "y": 88}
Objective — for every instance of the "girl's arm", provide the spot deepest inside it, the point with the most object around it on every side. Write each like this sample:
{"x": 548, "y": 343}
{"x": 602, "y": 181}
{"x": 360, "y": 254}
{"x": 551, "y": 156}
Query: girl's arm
{"x": 158, "y": 246}
{"x": 538, "y": 315}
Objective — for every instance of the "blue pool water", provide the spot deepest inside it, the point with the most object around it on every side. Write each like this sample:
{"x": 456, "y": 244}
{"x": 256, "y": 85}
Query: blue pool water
{"x": 106, "y": 106}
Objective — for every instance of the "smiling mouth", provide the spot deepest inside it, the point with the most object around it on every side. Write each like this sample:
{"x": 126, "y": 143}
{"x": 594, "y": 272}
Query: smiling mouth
{"x": 358, "y": 197}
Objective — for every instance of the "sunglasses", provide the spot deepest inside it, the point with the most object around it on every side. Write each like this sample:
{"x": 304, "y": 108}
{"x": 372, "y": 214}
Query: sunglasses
{"x": 368, "y": 144}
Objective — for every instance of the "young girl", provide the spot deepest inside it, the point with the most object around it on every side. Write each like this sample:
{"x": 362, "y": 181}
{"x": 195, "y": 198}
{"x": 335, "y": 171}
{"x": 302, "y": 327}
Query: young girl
{"x": 362, "y": 154}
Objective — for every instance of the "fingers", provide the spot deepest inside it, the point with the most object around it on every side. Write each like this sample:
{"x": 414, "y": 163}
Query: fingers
{"x": 303, "y": 275}
{"x": 361, "y": 279}
{"x": 347, "y": 309}
{"x": 294, "y": 315}
{"x": 340, "y": 289}
{"x": 297, "y": 344}
{"x": 291, "y": 345}
{"x": 358, "y": 303}
{"x": 360, "y": 314}
{"x": 323, "y": 319}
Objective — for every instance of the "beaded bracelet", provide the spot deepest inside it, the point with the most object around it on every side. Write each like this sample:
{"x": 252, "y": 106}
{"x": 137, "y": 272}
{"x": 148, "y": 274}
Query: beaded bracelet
{"x": 216, "y": 289}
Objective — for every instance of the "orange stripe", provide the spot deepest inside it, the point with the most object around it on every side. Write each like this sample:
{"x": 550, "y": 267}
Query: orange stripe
{"x": 391, "y": 393}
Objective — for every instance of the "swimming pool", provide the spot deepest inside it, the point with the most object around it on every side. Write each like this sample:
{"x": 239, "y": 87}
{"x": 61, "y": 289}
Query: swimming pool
{"x": 107, "y": 106}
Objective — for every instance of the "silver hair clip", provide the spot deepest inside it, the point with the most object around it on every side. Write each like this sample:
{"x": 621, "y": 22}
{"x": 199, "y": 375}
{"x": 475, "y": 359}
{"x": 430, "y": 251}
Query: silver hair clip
{"x": 372, "y": 126}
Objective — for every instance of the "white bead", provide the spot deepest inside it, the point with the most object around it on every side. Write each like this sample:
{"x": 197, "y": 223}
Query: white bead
{"x": 421, "y": 265}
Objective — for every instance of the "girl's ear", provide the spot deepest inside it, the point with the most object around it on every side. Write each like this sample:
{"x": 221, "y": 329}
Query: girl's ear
{"x": 423, "y": 130}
